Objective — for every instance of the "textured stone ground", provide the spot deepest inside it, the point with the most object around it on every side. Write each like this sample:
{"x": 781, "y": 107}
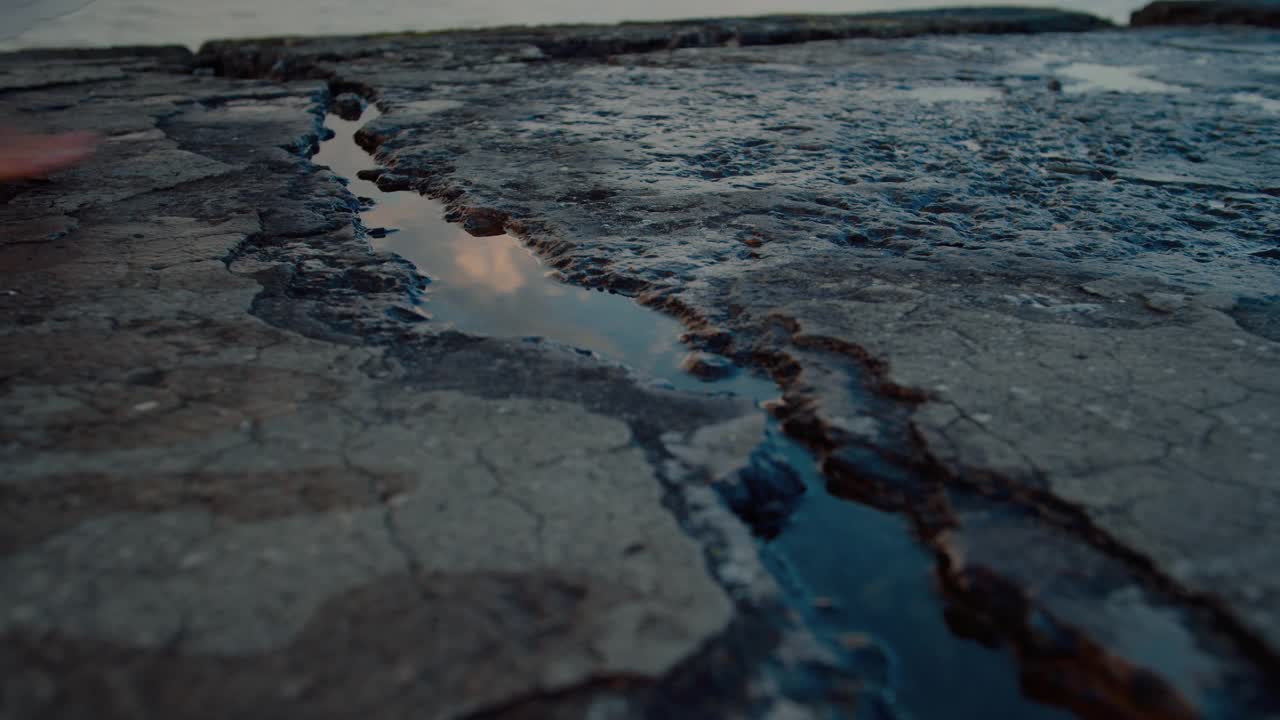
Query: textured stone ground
{"x": 236, "y": 485}
{"x": 1036, "y": 315}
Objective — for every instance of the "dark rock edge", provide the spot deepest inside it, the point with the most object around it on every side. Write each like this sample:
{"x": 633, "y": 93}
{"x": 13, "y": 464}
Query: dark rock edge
{"x": 1262, "y": 13}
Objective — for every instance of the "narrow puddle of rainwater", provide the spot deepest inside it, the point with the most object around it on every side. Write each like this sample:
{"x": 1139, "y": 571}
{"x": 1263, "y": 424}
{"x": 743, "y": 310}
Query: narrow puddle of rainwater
{"x": 850, "y": 571}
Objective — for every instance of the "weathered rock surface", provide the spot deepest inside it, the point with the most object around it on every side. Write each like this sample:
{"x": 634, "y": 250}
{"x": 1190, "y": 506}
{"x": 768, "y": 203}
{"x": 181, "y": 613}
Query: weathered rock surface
{"x": 1024, "y": 296}
{"x": 1265, "y": 13}
{"x": 237, "y": 483}
{"x": 1052, "y": 256}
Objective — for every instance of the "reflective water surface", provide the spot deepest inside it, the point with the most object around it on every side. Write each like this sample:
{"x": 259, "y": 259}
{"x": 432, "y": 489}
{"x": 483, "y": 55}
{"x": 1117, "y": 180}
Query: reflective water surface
{"x": 1093, "y": 77}
{"x": 856, "y": 576}
{"x": 494, "y": 286}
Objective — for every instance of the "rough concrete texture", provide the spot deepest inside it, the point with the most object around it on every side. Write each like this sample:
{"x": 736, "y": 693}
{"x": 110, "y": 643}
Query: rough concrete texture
{"x": 237, "y": 482}
{"x": 1055, "y": 256}
{"x": 1023, "y": 289}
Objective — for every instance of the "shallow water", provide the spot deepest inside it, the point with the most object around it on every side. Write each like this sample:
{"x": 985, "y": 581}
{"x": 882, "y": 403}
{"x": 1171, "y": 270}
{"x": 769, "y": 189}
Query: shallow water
{"x": 855, "y": 575}
{"x": 188, "y": 22}
{"x": 1265, "y": 103}
{"x": 494, "y": 286}
{"x": 1093, "y": 77}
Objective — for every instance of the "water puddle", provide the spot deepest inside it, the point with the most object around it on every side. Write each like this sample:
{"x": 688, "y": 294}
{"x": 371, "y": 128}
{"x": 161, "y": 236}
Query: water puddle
{"x": 494, "y": 286}
{"x": 1265, "y": 103}
{"x": 1092, "y": 77}
{"x": 855, "y": 575}
{"x": 955, "y": 93}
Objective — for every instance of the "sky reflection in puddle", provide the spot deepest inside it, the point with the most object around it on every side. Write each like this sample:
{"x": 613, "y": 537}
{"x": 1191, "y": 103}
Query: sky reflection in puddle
{"x": 495, "y": 286}
{"x": 866, "y": 561}
{"x": 1092, "y": 77}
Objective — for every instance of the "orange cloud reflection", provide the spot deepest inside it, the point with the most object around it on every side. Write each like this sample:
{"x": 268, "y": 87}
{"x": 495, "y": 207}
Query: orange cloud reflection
{"x": 490, "y": 262}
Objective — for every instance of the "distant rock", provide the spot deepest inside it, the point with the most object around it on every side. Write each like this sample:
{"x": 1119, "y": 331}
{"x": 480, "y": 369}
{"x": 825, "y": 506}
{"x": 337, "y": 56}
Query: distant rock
{"x": 1265, "y": 13}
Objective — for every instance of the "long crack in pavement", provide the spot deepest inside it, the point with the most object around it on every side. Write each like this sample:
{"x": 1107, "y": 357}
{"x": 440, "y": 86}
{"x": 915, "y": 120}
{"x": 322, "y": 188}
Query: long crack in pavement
{"x": 1024, "y": 300}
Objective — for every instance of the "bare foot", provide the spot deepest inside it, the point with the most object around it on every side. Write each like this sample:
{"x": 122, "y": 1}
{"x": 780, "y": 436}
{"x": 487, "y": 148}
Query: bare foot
{"x": 30, "y": 156}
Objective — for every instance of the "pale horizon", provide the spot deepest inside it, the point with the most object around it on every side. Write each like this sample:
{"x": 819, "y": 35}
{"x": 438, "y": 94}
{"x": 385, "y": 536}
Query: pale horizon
{"x": 190, "y": 23}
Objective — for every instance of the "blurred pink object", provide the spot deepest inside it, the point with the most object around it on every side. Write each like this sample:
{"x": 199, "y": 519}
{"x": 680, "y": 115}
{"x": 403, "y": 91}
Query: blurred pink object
{"x": 23, "y": 155}
{"x": 30, "y": 156}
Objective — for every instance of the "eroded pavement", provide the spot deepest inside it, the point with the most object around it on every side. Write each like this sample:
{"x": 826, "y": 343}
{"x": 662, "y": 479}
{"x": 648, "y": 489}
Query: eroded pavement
{"x": 1020, "y": 288}
{"x": 224, "y": 496}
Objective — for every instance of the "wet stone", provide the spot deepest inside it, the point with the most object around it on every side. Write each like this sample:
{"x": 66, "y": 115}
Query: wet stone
{"x": 349, "y": 106}
{"x": 709, "y": 367}
{"x": 393, "y": 182}
{"x": 765, "y": 492}
{"x": 481, "y": 222}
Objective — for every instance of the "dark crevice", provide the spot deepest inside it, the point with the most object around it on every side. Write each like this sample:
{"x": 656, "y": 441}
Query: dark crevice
{"x": 904, "y": 471}
{"x": 903, "y": 476}
{"x": 1066, "y": 668}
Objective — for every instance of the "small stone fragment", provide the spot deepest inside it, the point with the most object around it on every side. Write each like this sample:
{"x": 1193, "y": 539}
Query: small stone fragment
{"x": 707, "y": 367}
{"x": 482, "y": 222}
{"x": 392, "y": 182}
{"x": 349, "y": 106}
{"x": 766, "y": 492}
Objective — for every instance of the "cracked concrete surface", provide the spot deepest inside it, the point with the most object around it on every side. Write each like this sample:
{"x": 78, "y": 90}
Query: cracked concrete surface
{"x": 1024, "y": 303}
{"x": 1035, "y": 269}
{"x": 223, "y": 496}
{"x": 239, "y": 586}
